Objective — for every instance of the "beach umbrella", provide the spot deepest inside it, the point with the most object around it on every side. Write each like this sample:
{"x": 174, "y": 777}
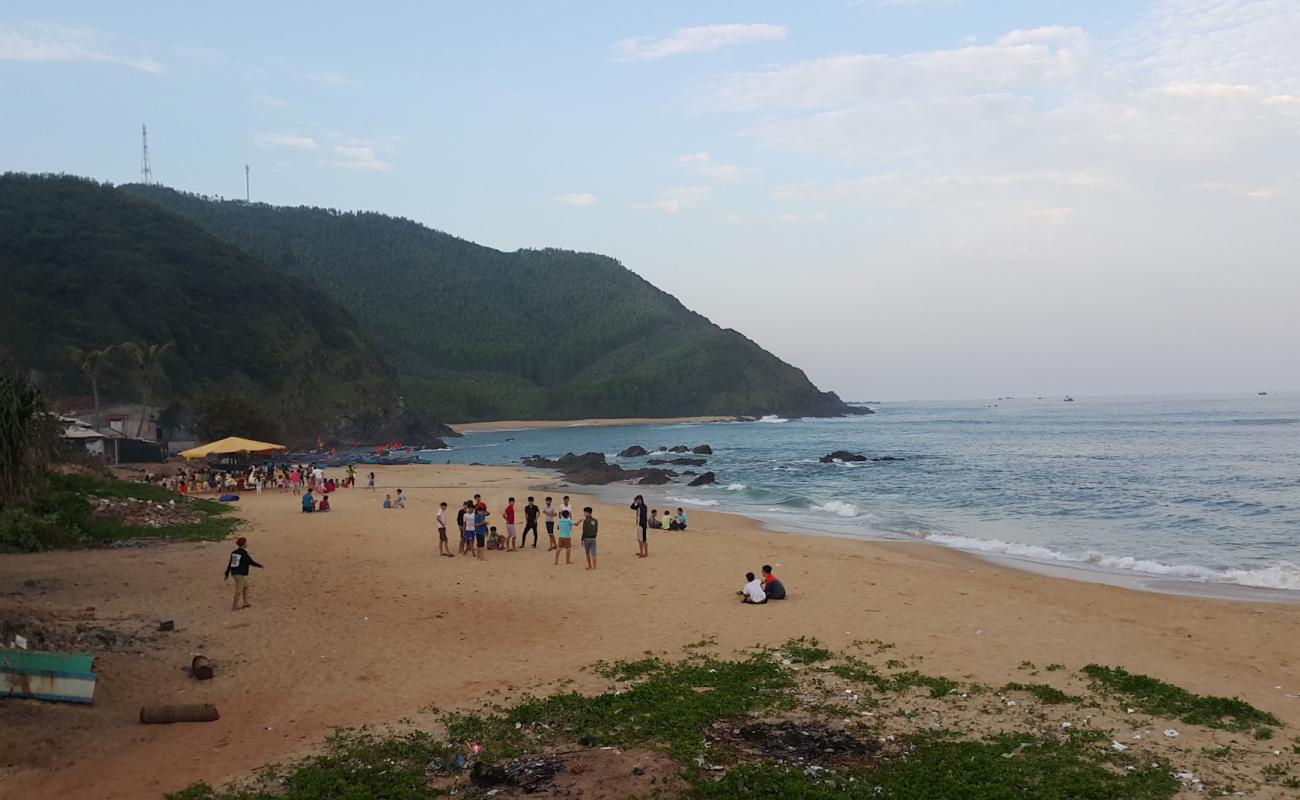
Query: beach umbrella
{"x": 231, "y": 445}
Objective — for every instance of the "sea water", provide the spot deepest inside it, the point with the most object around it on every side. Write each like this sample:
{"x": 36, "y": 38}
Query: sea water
{"x": 1188, "y": 490}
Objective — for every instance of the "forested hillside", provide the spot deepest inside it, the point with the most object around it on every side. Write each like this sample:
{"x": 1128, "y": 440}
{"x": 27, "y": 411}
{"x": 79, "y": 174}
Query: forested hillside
{"x": 89, "y": 266}
{"x": 476, "y": 333}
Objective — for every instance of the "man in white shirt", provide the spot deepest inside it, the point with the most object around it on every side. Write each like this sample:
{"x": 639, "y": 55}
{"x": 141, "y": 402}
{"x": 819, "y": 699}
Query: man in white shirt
{"x": 753, "y": 591}
{"x": 319, "y": 475}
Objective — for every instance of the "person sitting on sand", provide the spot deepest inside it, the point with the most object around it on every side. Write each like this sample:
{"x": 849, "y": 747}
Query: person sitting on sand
{"x": 494, "y": 540}
{"x": 400, "y": 502}
{"x": 566, "y": 537}
{"x": 237, "y": 566}
{"x": 678, "y": 523}
{"x": 308, "y": 502}
{"x": 388, "y": 501}
{"x": 324, "y": 504}
{"x": 773, "y": 588}
{"x": 753, "y": 594}
{"x": 654, "y": 519}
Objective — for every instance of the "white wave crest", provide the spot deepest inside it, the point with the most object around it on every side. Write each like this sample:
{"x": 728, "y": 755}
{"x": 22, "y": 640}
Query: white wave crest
{"x": 736, "y": 487}
{"x": 1281, "y": 575}
{"x": 773, "y": 418}
{"x": 690, "y": 501}
{"x": 839, "y": 507}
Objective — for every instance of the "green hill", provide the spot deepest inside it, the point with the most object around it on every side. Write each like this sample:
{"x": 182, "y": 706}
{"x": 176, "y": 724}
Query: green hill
{"x": 86, "y": 265}
{"x": 477, "y": 333}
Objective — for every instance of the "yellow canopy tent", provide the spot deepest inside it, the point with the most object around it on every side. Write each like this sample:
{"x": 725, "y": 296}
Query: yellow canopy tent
{"x": 231, "y": 445}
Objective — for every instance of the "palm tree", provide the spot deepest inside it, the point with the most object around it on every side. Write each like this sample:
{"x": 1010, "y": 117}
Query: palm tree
{"x": 147, "y": 360}
{"x": 91, "y": 363}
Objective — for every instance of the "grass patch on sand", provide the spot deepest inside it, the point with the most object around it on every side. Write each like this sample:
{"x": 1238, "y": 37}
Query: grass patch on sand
{"x": 669, "y": 709}
{"x": 806, "y": 651}
{"x": 1046, "y": 694}
{"x": 1154, "y": 696}
{"x": 999, "y": 768}
{"x": 857, "y": 671}
{"x": 354, "y": 764}
{"x": 58, "y": 515}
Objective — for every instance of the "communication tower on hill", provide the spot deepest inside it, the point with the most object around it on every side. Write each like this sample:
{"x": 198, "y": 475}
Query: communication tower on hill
{"x": 146, "y": 172}
{"x": 248, "y": 195}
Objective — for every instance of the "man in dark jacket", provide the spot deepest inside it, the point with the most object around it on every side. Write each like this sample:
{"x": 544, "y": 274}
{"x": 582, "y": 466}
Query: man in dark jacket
{"x": 531, "y": 511}
{"x": 238, "y": 566}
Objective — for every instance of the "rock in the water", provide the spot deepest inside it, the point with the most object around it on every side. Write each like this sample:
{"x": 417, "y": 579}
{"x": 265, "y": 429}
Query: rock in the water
{"x": 704, "y": 480}
{"x": 635, "y": 451}
{"x": 681, "y": 448}
{"x": 842, "y": 455}
{"x": 702, "y": 450}
{"x": 688, "y": 462}
{"x": 888, "y": 458}
{"x": 592, "y": 469}
{"x": 654, "y": 461}
{"x": 656, "y": 477}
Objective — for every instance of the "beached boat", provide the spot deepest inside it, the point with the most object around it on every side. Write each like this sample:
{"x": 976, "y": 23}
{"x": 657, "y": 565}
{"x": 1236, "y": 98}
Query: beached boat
{"x": 60, "y": 677}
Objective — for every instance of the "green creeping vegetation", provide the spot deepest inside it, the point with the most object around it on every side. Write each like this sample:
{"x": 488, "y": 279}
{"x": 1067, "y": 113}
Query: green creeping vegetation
{"x": 356, "y": 765}
{"x": 999, "y": 768}
{"x": 56, "y": 515}
{"x": 806, "y": 651}
{"x": 1154, "y": 696}
{"x": 858, "y": 671}
{"x": 1047, "y": 694}
{"x": 477, "y": 333}
{"x": 86, "y": 266}
{"x": 669, "y": 708}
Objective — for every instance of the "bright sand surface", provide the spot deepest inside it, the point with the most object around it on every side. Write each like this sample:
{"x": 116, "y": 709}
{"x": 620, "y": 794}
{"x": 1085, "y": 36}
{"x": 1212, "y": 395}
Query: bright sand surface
{"x": 356, "y": 619}
{"x": 519, "y": 425}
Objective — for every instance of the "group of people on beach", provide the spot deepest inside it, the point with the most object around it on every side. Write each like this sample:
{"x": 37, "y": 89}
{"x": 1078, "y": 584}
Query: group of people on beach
{"x": 476, "y": 534}
{"x": 253, "y": 478}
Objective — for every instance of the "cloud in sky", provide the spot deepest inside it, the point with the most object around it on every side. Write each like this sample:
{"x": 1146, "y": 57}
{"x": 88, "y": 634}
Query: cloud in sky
{"x": 52, "y": 43}
{"x": 705, "y": 165}
{"x": 360, "y": 158}
{"x": 679, "y": 198}
{"x": 272, "y": 140}
{"x": 577, "y": 199}
{"x": 698, "y": 39}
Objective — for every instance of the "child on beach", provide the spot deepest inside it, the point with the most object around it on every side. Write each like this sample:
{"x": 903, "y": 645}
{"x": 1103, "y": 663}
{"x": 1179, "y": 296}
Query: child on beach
{"x": 444, "y": 549}
{"x": 237, "y": 567}
{"x": 324, "y": 504}
{"x": 400, "y": 502}
{"x": 678, "y": 522}
{"x": 480, "y": 531}
{"x": 495, "y": 540}
{"x": 550, "y": 513}
{"x": 468, "y": 543}
{"x": 773, "y": 588}
{"x": 371, "y": 484}
{"x": 388, "y": 501}
{"x": 752, "y": 594}
{"x": 566, "y": 537}
{"x": 654, "y": 519}
{"x": 308, "y": 502}
{"x": 641, "y": 522}
{"x": 589, "y": 527}
{"x": 510, "y": 524}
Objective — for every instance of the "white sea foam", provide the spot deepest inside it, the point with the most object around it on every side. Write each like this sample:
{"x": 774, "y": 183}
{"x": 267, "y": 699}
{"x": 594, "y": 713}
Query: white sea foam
{"x": 1281, "y": 575}
{"x": 773, "y": 418}
{"x": 839, "y": 507}
{"x": 736, "y": 487}
{"x": 690, "y": 501}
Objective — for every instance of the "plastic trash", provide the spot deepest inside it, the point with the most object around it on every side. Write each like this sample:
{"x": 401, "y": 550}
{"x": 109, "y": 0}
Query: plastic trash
{"x": 1171, "y": 733}
{"x": 1117, "y": 746}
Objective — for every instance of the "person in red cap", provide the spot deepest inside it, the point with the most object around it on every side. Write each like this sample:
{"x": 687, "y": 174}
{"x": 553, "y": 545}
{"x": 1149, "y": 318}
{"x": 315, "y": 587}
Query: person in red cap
{"x": 238, "y": 566}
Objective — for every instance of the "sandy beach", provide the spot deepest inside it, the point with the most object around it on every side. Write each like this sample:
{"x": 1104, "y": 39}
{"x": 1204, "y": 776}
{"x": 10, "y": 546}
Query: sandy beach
{"x": 357, "y": 620}
{"x": 511, "y": 425}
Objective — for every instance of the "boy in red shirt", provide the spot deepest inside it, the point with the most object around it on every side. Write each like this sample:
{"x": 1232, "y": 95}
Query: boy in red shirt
{"x": 510, "y": 524}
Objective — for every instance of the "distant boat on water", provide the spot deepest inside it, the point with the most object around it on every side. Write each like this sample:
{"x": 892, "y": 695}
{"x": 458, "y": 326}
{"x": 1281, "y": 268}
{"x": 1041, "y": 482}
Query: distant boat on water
{"x": 1068, "y": 399}
{"x": 1261, "y": 394}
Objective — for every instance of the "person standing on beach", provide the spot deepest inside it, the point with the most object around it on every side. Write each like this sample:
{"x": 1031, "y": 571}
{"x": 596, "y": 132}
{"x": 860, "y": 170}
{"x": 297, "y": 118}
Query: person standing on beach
{"x": 238, "y": 566}
{"x": 509, "y": 515}
{"x": 530, "y": 523}
{"x": 550, "y": 513}
{"x": 468, "y": 509}
{"x": 566, "y": 538}
{"x": 444, "y": 549}
{"x": 589, "y": 527}
{"x": 641, "y": 519}
{"x": 371, "y": 485}
{"x": 480, "y": 530}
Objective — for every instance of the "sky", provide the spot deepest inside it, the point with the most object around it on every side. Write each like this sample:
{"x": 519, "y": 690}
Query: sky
{"x": 906, "y": 198}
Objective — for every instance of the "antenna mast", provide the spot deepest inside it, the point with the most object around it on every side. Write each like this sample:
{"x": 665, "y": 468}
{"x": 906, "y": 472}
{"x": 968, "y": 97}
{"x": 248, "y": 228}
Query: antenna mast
{"x": 146, "y": 173}
{"x": 247, "y": 194}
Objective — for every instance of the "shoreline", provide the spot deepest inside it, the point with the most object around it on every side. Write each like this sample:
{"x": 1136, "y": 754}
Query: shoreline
{"x": 356, "y": 620}
{"x": 595, "y": 422}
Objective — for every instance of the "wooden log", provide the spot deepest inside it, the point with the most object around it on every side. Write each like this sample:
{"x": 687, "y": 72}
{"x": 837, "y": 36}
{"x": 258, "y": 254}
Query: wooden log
{"x": 201, "y": 668}
{"x": 163, "y": 715}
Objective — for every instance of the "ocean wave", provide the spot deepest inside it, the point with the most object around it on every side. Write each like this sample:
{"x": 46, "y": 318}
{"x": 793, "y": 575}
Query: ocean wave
{"x": 1281, "y": 575}
{"x": 691, "y": 501}
{"x": 736, "y": 487}
{"x": 838, "y": 507}
{"x": 772, "y": 418}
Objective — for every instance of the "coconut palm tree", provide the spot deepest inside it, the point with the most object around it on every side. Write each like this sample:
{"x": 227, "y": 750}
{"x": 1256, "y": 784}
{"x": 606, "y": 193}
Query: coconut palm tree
{"x": 147, "y": 361}
{"x": 91, "y": 363}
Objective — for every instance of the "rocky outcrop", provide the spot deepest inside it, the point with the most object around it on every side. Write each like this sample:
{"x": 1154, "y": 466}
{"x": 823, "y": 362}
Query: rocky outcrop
{"x": 635, "y": 451}
{"x": 704, "y": 480}
{"x": 702, "y": 450}
{"x": 688, "y": 462}
{"x": 841, "y": 455}
{"x": 593, "y": 470}
{"x": 825, "y": 404}
{"x": 656, "y": 477}
{"x": 681, "y": 448}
